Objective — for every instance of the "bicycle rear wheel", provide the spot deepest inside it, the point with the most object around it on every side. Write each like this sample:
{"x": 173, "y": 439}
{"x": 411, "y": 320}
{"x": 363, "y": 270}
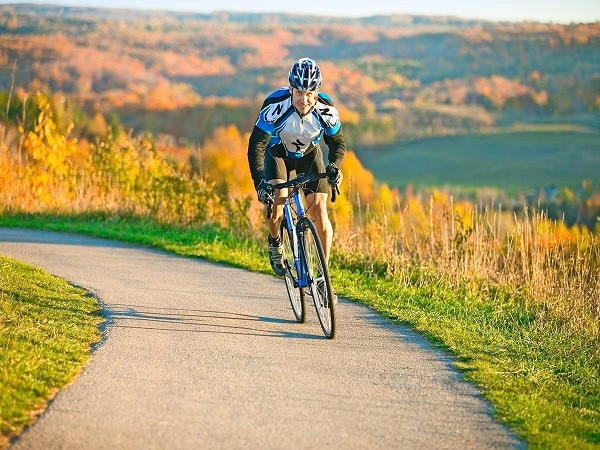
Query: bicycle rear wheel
{"x": 319, "y": 282}
{"x": 295, "y": 294}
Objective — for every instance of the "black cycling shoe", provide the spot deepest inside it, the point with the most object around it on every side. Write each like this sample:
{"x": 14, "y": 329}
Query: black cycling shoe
{"x": 276, "y": 256}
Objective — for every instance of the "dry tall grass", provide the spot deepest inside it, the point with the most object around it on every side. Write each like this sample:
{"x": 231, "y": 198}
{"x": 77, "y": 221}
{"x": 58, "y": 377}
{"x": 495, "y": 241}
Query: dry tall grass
{"x": 524, "y": 256}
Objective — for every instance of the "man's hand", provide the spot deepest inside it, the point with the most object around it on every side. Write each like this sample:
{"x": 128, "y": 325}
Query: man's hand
{"x": 334, "y": 175}
{"x": 265, "y": 193}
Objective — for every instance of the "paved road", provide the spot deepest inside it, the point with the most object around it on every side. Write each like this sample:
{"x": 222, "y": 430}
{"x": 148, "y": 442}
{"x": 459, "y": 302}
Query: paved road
{"x": 198, "y": 355}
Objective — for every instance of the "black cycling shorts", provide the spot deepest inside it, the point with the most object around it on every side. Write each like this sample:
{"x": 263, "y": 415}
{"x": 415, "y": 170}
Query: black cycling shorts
{"x": 279, "y": 166}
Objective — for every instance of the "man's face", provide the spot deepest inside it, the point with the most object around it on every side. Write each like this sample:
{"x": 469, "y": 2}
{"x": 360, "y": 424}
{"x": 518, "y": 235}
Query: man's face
{"x": 304, "y": 101}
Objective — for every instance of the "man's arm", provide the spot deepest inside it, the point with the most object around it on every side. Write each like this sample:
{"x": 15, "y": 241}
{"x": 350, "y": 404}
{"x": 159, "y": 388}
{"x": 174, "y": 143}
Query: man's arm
{"x": 333, "y": 136}
{"x": 337, "y": 147}
{"x": 256, "y": 153}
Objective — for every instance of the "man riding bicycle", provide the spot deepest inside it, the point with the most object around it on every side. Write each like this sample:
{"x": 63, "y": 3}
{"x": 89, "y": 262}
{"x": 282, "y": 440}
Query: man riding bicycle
{"x": 286, "y": 139}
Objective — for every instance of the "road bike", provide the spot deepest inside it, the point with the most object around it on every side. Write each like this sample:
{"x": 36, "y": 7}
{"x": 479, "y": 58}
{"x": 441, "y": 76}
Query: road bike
{"x": 306, "y": 269}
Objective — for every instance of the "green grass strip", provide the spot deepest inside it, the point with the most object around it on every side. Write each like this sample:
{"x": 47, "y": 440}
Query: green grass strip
{"x": 542, "y": 377}
{"x": 46, "y": 329}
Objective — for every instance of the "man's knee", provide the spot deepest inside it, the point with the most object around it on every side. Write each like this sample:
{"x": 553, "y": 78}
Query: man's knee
{"x": 318, "y": 208}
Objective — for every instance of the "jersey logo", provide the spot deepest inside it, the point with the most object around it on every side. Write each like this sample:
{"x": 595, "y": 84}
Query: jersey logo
{"x": 273, "y": 114}
{"x": 325, "y": 112}
{"x": 299, "y": 144}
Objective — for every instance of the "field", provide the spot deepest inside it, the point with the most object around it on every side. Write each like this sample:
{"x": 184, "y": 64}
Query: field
{"x": 511, "y": 161}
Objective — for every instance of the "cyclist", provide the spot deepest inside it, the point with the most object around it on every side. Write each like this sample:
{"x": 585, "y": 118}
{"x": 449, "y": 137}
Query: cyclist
{"x": 285, "y": 139}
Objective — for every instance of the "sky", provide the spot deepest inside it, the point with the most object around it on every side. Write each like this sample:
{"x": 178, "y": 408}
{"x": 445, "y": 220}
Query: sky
{"x": 559, "y": 11}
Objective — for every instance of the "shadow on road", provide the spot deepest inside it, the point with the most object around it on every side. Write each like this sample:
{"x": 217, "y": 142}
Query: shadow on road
{"x": 198, "y": 321}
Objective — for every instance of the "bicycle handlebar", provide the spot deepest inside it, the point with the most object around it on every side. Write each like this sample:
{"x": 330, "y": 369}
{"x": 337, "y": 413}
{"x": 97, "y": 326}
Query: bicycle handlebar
{"x": 300, "y": 181}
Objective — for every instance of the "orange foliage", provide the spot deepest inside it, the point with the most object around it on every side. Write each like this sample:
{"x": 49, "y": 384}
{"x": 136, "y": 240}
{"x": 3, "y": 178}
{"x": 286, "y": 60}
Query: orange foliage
{"x": 267, "y": 49}
{"x": 354, "y": 34}
{"x": 555, "y": 33}
{"x": 168, "y": 96}
{"x": 496, "y": 89}
{"x": 177, "y": 64}
{"x": 140, "y": 63}
{"x": 351, "y": 83}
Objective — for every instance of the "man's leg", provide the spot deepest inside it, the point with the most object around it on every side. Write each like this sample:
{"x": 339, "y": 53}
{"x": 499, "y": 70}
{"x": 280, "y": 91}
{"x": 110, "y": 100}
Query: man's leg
{"x": 274, "y": 222}
{"x": 317, "y": 209}
{"x": 275, "y": 172}
{"x": 273, "y": 225}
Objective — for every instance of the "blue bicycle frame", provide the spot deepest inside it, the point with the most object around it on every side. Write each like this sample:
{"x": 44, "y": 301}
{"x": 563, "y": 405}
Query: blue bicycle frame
{"x": 292, "y": 230}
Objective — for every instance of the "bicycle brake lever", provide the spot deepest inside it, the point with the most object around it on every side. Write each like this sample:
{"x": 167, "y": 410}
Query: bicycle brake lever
{"x": 335, "y": 191}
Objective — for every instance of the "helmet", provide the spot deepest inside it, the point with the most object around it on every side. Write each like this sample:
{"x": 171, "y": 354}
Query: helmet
{"x": 305, "y": 75}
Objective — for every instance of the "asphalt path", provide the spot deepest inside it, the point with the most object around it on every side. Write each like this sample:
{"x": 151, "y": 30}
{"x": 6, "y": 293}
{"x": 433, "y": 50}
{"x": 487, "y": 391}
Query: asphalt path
{"x": 200, "y": 355}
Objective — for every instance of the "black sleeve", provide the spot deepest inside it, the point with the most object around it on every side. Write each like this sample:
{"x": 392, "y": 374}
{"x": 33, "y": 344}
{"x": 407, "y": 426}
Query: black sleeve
{"x": 337, "y": 147}
{"x": 256, "y": 153}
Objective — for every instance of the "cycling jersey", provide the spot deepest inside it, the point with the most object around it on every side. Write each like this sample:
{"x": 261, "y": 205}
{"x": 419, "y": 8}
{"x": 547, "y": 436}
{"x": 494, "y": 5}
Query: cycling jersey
{"x": 297, "y": 133}
{"x": 281, "y": 127}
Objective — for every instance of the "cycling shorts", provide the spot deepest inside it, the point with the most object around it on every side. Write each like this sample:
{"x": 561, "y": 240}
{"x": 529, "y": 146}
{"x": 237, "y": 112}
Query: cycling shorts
{"x": 279, "y": 166}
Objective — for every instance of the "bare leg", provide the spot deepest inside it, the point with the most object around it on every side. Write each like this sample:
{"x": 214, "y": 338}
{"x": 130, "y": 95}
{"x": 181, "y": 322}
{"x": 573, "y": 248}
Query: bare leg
{"x": 317, "y": 208}
{"x": 274, "y": 222}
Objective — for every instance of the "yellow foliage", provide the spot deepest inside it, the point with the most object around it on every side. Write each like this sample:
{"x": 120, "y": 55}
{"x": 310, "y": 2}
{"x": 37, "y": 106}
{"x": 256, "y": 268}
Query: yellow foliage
{"x": 562, "y": 233}
{"x": 439, "y": 197}
{"x": 98, "y": 126}
{"x": 463, "y": 216}
{"x": 386, "y": 199}
{"x": 225, "y": 160}
{"x": 358, "y": 180}
{"x": 342, "y": 213}
{"x": 49, "y": 155}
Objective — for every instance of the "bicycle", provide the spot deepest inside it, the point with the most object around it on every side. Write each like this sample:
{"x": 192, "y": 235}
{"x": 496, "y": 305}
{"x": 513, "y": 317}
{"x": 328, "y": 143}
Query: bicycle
{"x": 303, "y": 256}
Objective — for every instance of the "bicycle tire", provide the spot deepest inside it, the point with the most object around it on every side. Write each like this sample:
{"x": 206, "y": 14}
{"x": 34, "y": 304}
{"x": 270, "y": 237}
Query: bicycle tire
{"x": 318, "y": 276}
{"x": 295, "y": 294}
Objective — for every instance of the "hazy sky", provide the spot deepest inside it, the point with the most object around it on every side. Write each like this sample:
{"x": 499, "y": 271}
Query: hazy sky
{"x": 563, "y": 11}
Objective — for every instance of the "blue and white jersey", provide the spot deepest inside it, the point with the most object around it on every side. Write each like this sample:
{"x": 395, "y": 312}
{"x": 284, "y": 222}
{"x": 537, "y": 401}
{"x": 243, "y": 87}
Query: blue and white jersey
{"x": 297, "y": 133}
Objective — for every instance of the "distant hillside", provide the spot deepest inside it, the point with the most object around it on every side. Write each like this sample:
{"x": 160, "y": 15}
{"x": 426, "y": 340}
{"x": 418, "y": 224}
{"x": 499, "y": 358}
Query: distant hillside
{"x": 393, "y": 77}
{"x": 85, "y": 13}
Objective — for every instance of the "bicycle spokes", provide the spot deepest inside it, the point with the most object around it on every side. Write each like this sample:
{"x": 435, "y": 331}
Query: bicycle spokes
{"x": 295, "y": 294}
{"x": 318, "y": 277}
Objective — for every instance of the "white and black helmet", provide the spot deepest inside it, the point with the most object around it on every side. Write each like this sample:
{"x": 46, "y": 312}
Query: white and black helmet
{"x": 305, "y": 75}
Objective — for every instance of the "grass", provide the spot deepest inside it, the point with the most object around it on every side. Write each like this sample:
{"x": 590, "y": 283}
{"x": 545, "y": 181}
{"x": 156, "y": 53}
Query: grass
{"x": 46, "y": 329}
{"x": 542, "y": 377}
{"x": 510, "y": 161}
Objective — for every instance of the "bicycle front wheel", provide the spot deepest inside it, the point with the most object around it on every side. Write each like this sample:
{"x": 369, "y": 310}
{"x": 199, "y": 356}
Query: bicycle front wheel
{"x": 319, "y": 282}
{"x": 295, "y": 294}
